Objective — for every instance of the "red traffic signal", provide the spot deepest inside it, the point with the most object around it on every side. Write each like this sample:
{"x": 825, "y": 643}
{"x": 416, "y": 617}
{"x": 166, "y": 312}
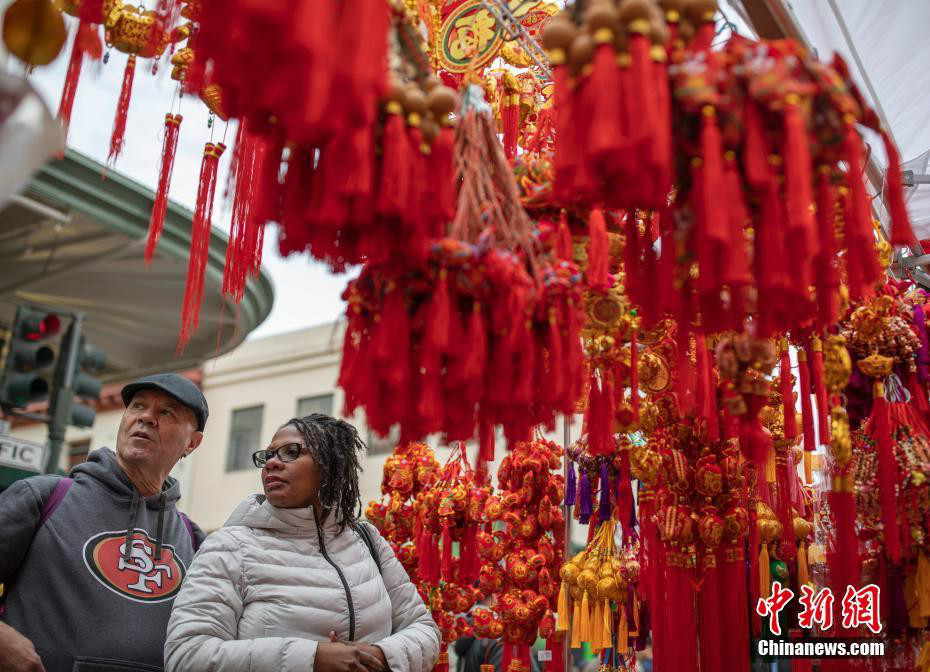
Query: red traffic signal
{"x": 37, "y": 326}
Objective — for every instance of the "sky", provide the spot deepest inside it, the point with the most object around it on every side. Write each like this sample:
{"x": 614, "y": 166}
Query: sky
{"x": 306, "y": 292}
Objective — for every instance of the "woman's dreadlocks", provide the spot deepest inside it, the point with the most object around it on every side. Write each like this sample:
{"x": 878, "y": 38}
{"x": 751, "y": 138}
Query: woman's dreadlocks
{"x": 335, "y": 445}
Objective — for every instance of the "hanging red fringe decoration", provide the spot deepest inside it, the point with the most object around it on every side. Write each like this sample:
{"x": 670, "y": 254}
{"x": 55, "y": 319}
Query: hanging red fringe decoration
{"x": 86, "y": 42}
{"x": 597, "y": 251}
{"x": 787, "y": 393}
{"x": 901, "y": 233}
{"x": 255, "y": 172}
{"x": 820, "y": 390}
{"x": 160, "y": 205}
{"x": 117, "y": 137}
{"x": 807, "y": 413}
{"x": 200, "y": 242}
{"x": 510, "y": 117}
{"x": 879, "y": 428}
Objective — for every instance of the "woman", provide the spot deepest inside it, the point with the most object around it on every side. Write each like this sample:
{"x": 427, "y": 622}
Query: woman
{"x": 292, "y": 581}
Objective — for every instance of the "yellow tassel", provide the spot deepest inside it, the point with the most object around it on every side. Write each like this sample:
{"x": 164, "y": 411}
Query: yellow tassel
{"x": 803, "y": 577}
{"x": 635, "y": 632}
{"x": 765, "y": 572}
{"x": 561, "y": 623}
{"x": 607, "y": 622}
{"x": 911, "y": 600}
{"x": 923, "y": 584}
{"x": 585, "y": 618}
{"x": 576, "y": 625}
{"x": 923, "y": 660}
{"x": 597, "y": 631}
{"x": 623, "y": 633}
{"x": 808, "y": 467}
{"x": 770, "y": 467}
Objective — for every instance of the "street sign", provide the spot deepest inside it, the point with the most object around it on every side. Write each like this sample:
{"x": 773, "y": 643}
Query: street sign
{"x": 22, "y": 454}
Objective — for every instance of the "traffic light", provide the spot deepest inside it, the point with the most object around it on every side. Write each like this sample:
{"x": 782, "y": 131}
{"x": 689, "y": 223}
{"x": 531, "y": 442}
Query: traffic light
{"x": 25, "y": 376}
{"x": 73, "y": 379}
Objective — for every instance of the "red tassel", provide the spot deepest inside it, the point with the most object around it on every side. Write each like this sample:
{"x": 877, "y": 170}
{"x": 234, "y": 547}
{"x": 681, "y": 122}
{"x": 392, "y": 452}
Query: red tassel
{"x": 713, "y": 225}
{"x": 486, "y": 442}
{"x": 563, "y": 246}
{"x": 879, "y": 428}
{"x": 826, "y": 266}
{"x": 706, "y": 389}
{"x": 83, "y": 37}
{"x": 477, "y": 346}
{"x": 255, "y": 170}
{"x": 901, "y": 232}
{"x": 393, "y": 186}
{"x": 443, "y": 171}
{"x": 787, "y": 394}
{"x": 798, "y": 178}
{"x": 807, "y": 414}
{"x": 447, "y": 554}
{"x": 555, "y": 389}
{"x": 641, "y": 81}
{"x": 510, "y": 116}
{"x": 604, "y": 137}
{"x": 200, "y": 242}
{"x": 439, "y": 316}
{"x": 844, "y": 560}
{"x": 122, "y": 111}
{"x": 820, "y": 391}
{"x": 634, "y": 375}
{"x": 393, "y": 338}
{"x": 861, "y": 262}
{"x": 160, "y": 205}
{"x": 597, "y": 251}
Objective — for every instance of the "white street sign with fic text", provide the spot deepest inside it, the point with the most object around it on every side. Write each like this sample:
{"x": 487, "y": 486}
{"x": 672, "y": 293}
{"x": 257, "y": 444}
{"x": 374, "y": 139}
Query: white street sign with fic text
{"x": 22, "y": 454}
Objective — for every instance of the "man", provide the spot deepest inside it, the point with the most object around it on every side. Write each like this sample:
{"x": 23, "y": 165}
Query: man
{"x": 90, "y": 587}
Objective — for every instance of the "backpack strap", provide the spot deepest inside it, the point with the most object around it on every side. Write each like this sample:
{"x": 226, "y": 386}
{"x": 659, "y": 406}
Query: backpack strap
{"x": 365, "y": 534}
{"x": 50, "y": 504}
{"x": 190, "y": 531}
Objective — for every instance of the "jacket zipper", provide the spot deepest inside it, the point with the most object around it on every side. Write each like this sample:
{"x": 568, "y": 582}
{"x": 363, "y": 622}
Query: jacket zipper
{"x": 345, "y": 584}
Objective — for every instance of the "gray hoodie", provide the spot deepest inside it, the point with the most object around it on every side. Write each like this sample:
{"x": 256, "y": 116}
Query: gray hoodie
{"x": 87, "y": 600}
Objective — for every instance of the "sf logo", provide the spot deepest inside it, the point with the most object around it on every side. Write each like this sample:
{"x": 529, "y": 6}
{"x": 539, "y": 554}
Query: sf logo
{"x": 140, "y": 560}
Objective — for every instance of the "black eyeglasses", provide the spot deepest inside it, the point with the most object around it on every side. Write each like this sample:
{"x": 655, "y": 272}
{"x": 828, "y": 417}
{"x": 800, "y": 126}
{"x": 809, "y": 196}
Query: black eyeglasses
{"x": 286, "y": 453}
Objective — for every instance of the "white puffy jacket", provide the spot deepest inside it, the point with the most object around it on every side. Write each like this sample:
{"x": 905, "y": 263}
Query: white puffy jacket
{"x": 263, "y": 590}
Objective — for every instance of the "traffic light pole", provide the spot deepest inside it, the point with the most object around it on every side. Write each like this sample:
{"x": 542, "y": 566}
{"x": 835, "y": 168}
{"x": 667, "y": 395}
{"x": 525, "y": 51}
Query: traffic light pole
{"x": 60, "y": 413}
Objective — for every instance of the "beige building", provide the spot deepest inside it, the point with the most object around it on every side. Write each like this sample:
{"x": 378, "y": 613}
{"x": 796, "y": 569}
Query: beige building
{"x": 251, "y": 392}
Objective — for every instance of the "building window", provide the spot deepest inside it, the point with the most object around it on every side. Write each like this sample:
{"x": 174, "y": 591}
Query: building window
{"x": 378, "y": 445}
{"x": 322, "y": 403}
{"x": 77, "y": 452}
{"x": 244, "y": 436}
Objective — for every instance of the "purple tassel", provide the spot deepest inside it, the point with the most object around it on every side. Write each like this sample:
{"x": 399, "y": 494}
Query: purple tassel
{"x": 570, "y": 486}
{"x": 604, "y": 513}
{"x": 584, "y": 512}
{"x": 923, "y": 355}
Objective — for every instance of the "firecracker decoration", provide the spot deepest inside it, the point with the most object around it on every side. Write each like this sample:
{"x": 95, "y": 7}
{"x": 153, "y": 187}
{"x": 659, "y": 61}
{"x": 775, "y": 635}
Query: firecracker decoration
{"x": 528, "y": 548}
